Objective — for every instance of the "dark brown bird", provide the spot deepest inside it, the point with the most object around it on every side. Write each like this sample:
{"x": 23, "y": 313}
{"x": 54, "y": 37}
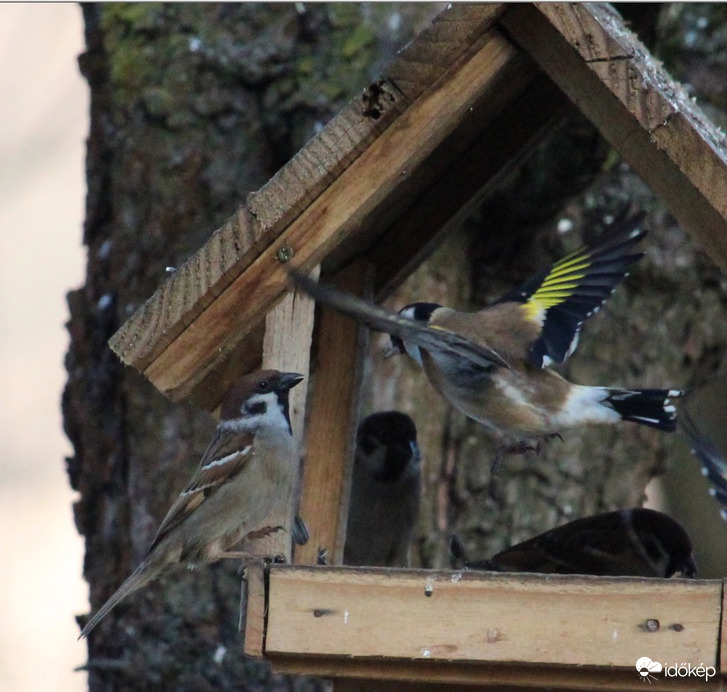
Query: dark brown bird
{"x": 627, "y": 543}
{"x": 385, "y": 492}
{"x": 246, "y": 467}
{"x": 491, "y": 364}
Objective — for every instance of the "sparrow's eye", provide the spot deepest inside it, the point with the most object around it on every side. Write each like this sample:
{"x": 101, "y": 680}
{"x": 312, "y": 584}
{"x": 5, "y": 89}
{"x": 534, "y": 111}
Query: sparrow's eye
{"x": 263, "y": 386}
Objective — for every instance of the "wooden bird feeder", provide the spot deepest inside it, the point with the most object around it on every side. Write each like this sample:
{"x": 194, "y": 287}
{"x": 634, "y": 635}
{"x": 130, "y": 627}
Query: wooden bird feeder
{"x": 365, "y": 201}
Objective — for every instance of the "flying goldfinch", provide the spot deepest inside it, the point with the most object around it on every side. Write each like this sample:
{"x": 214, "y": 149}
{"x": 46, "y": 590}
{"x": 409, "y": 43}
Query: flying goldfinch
{"x": 492, "y": 364}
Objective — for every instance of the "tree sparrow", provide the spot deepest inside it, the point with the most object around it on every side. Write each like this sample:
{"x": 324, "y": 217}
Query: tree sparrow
{"x": 385, "y": 492}
{"x": 245, "y": 468}
{"x": 627, "y": 543}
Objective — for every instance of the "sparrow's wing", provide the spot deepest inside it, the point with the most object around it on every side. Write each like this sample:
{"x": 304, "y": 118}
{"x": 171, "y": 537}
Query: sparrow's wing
{"x": 226, "y": 456}
{"x": 635, "y": 542}
{"x": 565, "y": 550}
{"x": 433, "y": 339}
{"x": 714, "y": 464}
{"x": 561, "y": 298}
{"x": 599, "y": 545}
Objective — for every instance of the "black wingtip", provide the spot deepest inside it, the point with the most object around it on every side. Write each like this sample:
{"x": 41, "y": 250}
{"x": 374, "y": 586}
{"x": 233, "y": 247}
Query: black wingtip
{"x": 575, "y": 287}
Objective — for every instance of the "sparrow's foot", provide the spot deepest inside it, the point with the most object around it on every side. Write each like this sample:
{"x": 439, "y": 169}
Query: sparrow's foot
{"x": 322, "y": 558}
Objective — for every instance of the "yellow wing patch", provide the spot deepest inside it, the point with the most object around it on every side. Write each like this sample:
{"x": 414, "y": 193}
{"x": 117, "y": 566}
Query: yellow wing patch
{"x": 558, "y": 285}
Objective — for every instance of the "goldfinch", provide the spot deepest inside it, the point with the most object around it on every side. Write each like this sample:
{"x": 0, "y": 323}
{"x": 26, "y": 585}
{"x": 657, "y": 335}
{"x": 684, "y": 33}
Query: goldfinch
{"x": 492, "y": 364}
{"x": 385, "y": 492}
{"x": 248, "y": 464}
{"x": 628, "y": 543}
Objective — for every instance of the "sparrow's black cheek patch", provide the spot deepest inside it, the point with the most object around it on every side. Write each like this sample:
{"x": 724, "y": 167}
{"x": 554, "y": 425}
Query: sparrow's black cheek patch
{"x": 256, "y": 409}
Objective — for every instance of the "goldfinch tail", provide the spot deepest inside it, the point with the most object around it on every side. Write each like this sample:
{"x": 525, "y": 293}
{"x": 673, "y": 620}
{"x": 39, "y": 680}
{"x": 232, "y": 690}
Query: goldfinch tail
{"x": 652, "y": 407}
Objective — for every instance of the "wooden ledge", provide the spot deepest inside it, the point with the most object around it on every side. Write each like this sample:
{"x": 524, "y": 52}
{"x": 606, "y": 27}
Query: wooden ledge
{"x": 474, "y": 628}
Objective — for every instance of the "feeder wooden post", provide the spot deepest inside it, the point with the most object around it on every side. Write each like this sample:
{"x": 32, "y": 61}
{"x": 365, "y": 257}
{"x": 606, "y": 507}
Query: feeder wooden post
{"x": 331, "y": 427}
{"x": 286, "y": 347}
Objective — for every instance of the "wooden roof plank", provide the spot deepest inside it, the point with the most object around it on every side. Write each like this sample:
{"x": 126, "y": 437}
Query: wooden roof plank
{"x": 232, "y": 248}
{"x": 322, "y": 160}
{"x": 638, "y": 108}
{"x": 441, "y": 45}
{"x": 371, "y": 182}
{"x": 662, "y": 106}
{"x": 188, "y": 291}
{"x": 514, "y": 130}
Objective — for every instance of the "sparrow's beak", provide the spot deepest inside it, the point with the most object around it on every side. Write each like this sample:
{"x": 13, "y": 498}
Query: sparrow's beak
{"x": 288, "y": 380}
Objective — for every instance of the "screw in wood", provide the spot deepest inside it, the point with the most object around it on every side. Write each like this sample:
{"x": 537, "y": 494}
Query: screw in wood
{"x": 285, "y": 253}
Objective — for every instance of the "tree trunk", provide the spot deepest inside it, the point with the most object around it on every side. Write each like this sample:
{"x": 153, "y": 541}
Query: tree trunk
{"x": 195, "y": 105}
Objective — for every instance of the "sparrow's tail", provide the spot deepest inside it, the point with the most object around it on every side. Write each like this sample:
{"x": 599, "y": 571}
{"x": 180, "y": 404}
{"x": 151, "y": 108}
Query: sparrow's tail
{"x": 140, "y": 577}
{"x": 652, "y": 407}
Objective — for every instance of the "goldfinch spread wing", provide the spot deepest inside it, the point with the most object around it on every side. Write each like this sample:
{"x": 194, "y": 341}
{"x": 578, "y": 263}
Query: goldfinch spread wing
{"x": 435, "y": 339}
{"x": 561, "y": 298}
{"x": 225, "y": 457}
